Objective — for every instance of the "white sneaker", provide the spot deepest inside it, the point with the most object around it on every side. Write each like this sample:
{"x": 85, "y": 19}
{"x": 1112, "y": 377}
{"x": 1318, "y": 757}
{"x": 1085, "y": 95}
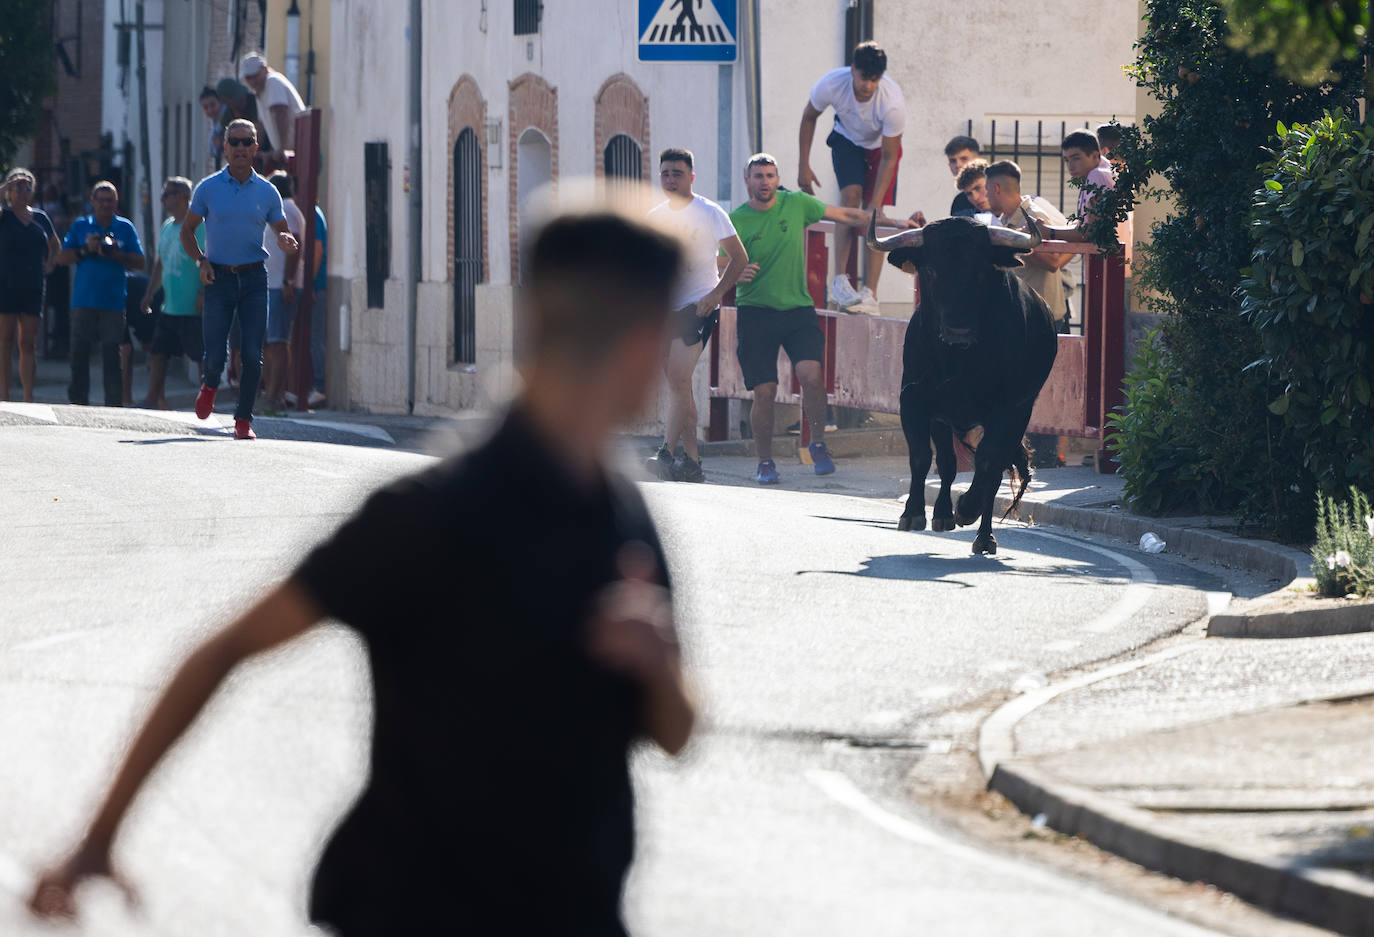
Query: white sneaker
{"x": 290, "y": 398}
{"x": 841, "y": 293}
{"x": 866, "y": 304}
{"x": 315, "y": 399}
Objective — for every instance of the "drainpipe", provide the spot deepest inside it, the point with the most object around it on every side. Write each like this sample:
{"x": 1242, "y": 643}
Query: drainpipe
{"x": 416, "y": 179}
{"x": 749, "y": 10}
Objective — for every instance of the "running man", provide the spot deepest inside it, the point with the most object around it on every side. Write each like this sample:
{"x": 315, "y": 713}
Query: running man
{"x": 236, "y": 204}
{"x": 865, "y": 148}
{"x": 776, "y": 309}
{"x": 705, "y": 230}
{"x": 566, "y": 643}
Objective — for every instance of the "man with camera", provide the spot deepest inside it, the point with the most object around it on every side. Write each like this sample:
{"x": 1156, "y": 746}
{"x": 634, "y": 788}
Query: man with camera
{"x": 103, "y": 246}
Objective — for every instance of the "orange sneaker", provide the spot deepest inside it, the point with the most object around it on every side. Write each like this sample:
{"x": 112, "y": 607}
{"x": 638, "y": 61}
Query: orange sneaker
{"x": 244, "y": 430}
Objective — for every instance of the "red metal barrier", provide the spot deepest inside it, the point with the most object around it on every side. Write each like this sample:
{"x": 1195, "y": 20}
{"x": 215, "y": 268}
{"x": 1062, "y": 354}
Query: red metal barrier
{"x": 863, "y": 356}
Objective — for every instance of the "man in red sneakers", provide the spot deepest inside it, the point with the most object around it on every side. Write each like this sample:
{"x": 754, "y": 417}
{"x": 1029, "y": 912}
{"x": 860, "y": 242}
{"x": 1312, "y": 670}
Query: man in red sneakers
{"x": 236, "y": 204}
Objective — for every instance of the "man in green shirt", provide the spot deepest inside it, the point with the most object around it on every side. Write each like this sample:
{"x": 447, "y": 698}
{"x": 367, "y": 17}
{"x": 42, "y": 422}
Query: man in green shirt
{"x": 775, "y": 307}
{"x": 178, "y": 329}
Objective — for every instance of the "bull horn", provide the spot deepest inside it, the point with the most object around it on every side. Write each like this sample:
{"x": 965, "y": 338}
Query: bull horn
{"x": 1031, "y": 224}
{"x": 1009, "y": 237}
{"x": 912, "y": 237}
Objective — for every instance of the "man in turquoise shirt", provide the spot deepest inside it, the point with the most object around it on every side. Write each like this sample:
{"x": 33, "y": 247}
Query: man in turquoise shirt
{"x": 178, "y": 328}
{"x": 775, "y": 307}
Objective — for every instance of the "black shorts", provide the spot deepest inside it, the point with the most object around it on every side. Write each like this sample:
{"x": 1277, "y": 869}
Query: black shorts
{"x": 856, "y": 166}
{"x": 691, "y": 328}
{"x": 762, "y": 331}
{"x": 21, "y": 302}
{"x": 178, "y": 335}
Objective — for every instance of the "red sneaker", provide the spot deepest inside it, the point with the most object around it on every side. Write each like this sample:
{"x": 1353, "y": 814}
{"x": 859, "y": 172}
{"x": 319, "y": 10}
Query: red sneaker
{"x": 205, "y": 401}
{"x": 244, "y": 430}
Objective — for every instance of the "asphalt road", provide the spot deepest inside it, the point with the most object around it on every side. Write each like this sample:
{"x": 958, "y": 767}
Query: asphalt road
{"x": 824, "y": 644}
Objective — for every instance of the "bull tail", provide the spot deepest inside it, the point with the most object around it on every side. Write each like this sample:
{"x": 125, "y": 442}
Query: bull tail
{"x": 1019, "y": 470}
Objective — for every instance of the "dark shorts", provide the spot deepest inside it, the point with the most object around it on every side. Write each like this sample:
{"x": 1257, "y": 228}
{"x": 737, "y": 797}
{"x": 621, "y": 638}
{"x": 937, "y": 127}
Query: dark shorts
{"x": 857, "y": 166}
{"x": 762, "y": 331}
{"x": 178, "y": 335}
{"x": 691, "y": 328}
{"x": 21, "y": 302}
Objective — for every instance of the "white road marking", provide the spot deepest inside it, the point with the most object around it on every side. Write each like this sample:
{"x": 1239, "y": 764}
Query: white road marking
{"x": 357, "y": 429}
{"x": 1131, "y": 601}
{"x": 54, "y": 639}
{"x": 1217, "y": 602}
{"x": 214, "y": 422}
{"x": 320, "y": 472}
{"x": 34, "y": 411}
{"x": 1059, "y": 647}
{"x": 842, "y": 790}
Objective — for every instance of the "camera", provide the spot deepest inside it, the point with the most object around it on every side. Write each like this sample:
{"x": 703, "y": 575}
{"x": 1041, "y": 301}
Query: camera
{"x": 107, "y": 245}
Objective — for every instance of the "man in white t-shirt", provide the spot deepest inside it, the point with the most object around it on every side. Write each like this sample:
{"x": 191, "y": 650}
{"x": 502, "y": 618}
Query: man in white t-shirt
{"x": 705, "y": 230}
{"x": 279, "y": 103}
{"x": 865, "y": 149}
{"x": 1041, "y": 271}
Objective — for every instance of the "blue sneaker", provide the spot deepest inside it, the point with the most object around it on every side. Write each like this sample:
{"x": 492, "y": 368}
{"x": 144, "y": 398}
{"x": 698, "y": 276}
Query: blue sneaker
{"x": 768, "y": 473}
{"x": 821, "y": 456}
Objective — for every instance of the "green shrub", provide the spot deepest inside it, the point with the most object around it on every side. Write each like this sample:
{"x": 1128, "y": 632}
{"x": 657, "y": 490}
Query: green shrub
{"x": 1217, "y": 107}
{"x": 1150, "y": 444}
{"x": 1343, "y": 555}
{"x": 1313, "y": 236}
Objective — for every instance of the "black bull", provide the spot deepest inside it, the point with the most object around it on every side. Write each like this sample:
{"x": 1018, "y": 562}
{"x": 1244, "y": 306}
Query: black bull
{"x": 977, "y": 352}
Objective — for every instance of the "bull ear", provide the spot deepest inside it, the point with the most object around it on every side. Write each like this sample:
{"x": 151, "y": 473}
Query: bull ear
{"x": 906, "y": 259}
{"x": 1007, "y": 257}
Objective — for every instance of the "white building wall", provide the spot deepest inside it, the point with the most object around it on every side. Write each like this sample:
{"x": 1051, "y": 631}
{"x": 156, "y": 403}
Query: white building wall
{"x": 977, "y": 60}
{"x": 120, "y": 109}
{"x": 972, "y": 60}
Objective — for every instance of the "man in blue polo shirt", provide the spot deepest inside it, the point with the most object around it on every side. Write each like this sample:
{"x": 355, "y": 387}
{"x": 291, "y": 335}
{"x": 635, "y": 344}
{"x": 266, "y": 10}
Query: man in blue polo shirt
{"x": 103, "y": 246}
{"x": 236, "y": 204}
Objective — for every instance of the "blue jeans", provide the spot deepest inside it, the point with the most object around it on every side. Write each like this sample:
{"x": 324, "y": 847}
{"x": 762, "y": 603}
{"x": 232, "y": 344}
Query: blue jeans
{"x": 245, "y": 294}
{"x": 280, "y": 315}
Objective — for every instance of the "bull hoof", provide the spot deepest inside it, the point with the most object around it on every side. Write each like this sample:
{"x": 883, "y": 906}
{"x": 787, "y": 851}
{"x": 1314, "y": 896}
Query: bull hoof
{"x": 942, "y": 524}
{"x": 985, "y": 543}
{"x": 963, "y": 521}
{"x": 911, "y": 522}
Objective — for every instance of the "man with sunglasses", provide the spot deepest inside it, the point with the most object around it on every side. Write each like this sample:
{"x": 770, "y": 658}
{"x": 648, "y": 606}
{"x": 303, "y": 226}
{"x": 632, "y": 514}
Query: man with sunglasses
{"x": 236, "y": 204}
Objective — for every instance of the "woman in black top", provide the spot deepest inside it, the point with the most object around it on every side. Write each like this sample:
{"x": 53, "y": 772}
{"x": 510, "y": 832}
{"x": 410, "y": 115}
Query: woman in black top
{"x": 28, "y": 246}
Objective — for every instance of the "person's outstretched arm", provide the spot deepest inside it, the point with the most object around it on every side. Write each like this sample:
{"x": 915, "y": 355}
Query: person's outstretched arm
{"x": 286, "y": 612}
{"x": 807, "y": 180}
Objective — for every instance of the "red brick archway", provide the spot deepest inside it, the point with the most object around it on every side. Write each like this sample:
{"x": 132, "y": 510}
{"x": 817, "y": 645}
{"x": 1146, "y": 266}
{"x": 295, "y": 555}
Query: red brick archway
{"x": 621, "y": 108}
{"x": 467, "y": 109}
{"x": 533, "y": 105}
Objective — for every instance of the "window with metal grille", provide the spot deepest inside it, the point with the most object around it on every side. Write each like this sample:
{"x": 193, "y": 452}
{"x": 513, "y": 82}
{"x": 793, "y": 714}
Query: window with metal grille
{"x": 377, "y": 218}
{"x": 467, "y": 243}
{"x": 1034, "y": 146}
{"x": 622, "y": 158}
{"x": 528, "y": 13}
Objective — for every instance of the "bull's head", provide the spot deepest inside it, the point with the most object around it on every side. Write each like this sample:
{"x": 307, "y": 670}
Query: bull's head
{"x": 958, "y": 260}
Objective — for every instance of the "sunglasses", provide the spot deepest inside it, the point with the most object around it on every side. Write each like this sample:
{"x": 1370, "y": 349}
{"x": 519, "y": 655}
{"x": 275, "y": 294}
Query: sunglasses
{"x": 240, "y": 141}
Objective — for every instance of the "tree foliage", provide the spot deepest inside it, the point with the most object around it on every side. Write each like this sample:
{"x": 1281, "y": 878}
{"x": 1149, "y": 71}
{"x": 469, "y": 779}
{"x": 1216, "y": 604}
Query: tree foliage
{"x": 1306, "y": 37}
{"x": 1309, "y": 294}
{"x": 1217, "y": 110}
{"x": 28, "y": 65}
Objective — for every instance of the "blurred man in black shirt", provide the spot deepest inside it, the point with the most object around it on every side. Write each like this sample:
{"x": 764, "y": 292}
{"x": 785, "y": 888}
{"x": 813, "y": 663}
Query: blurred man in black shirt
{"x": 499, "y": 800}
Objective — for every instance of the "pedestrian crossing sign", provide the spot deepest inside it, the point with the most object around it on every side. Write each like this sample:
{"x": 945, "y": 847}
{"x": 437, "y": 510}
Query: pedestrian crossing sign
{"x": 687, "y": 30}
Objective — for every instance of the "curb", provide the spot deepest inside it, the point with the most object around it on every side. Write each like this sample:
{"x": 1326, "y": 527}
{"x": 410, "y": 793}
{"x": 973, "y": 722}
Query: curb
{"x": 1337, "y": 901}
{"x": 1352, "y": 618}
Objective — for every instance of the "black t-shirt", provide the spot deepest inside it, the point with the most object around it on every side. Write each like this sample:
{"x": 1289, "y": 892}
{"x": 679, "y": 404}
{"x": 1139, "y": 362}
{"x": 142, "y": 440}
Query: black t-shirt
{"x": 961, "y": 207}
{"x": 499, "y": 800}
{"x": 23, "y": 248}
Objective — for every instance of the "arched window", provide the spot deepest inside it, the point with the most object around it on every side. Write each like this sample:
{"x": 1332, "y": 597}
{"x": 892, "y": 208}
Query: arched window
{"x": 622, "y": 158}
{"x": 467, "y": 243}
{"x": 533, "y": 171}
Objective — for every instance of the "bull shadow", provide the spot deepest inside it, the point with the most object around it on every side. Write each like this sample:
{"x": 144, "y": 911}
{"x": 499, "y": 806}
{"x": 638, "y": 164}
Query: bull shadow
{"x": 944, "y": 569}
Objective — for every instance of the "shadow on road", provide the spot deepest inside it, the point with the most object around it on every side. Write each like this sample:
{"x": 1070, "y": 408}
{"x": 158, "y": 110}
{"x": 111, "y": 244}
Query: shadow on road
{"x": 163, "y": 439}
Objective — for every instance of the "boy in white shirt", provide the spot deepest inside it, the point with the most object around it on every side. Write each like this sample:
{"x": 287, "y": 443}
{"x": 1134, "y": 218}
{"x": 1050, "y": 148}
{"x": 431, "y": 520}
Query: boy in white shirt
{"x": 705, "y": 230}
{"x": 865, "y": 149}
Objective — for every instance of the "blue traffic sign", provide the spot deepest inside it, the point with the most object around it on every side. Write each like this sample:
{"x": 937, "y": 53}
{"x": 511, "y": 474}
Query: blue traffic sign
{"x": 688, "y": 30}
